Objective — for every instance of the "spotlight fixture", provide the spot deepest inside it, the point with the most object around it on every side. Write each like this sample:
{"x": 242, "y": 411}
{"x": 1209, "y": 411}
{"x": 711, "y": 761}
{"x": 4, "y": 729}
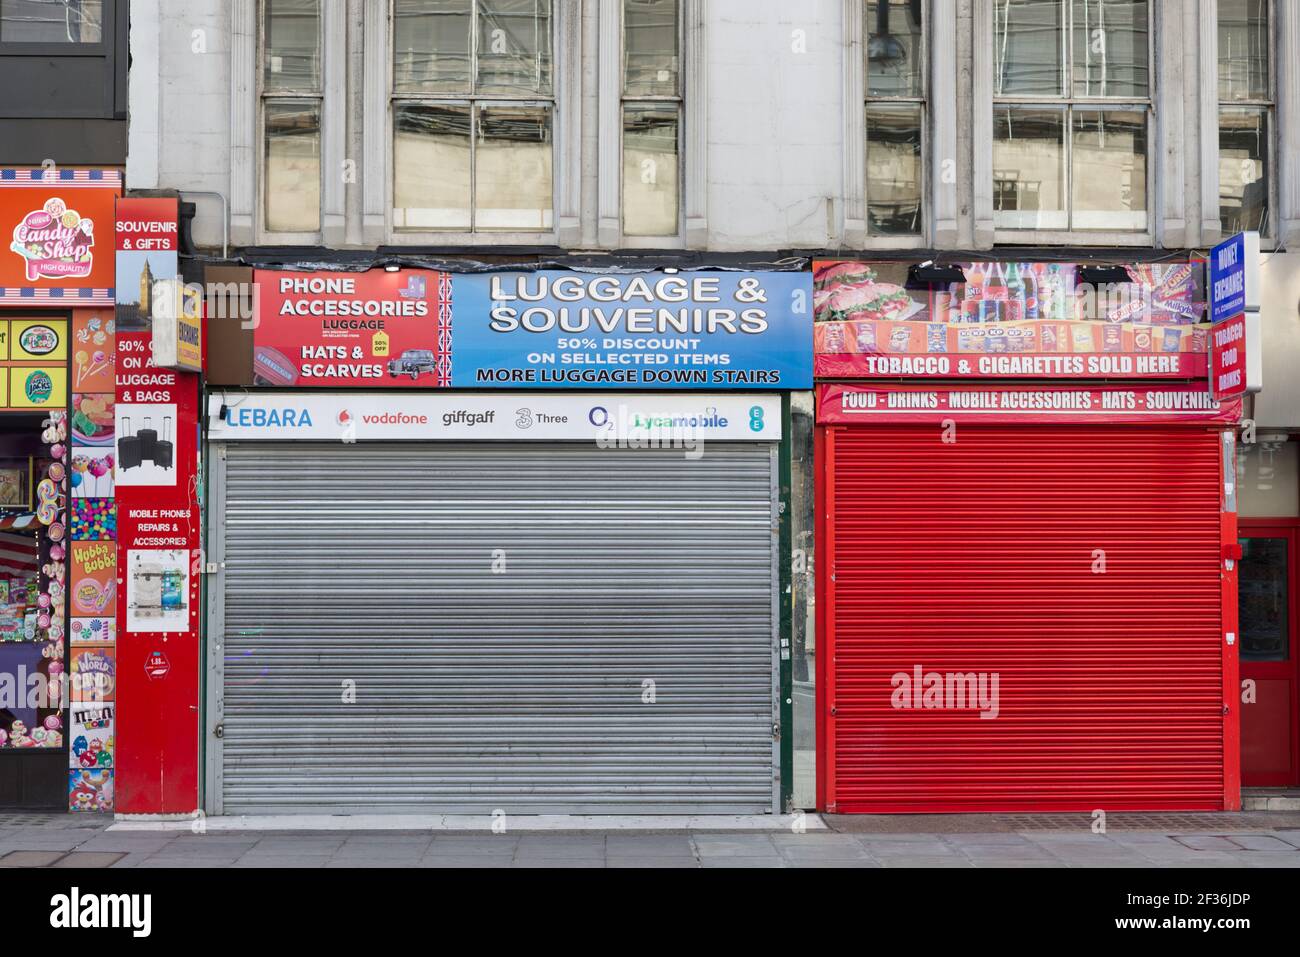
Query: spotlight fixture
{"x": 930, "y": 274}
{"x": 1099, "y": 275}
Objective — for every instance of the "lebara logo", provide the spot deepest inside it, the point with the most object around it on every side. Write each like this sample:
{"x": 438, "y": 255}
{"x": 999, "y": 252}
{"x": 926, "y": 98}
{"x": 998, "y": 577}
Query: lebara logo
{"x": 55, "y": 242}
{"x": 257, "y": 418}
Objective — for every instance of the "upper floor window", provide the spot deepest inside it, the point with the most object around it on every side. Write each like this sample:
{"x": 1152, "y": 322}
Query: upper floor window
{"x": 652, "y": 117}
{"x": 51, "y": 21}
{"x": 291, "y": 95}
{"x": 1246, "y": 105}
{"x": 1071, "y": 114}
{"x": 473, "y": 115}
{"x": 895, "y": 115}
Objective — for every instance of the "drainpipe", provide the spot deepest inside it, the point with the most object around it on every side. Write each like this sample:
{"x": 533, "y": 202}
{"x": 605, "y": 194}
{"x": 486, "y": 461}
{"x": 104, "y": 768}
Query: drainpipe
{"x": 225, "y": 219}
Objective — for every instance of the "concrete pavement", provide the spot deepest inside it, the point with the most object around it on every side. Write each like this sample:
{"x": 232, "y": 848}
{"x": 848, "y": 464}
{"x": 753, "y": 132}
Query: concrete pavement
{"x": 1259, "y": 839}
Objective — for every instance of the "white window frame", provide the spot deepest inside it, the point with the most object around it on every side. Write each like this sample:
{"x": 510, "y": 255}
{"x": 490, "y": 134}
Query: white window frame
{"x": 939, "y": 122}
{"x": 566, "y": 169}
{"x": 1284, "y": 134}
{"x": 692, "y": 136}
{"x": 986, "y": 233}
{"x": 247, "y": 130}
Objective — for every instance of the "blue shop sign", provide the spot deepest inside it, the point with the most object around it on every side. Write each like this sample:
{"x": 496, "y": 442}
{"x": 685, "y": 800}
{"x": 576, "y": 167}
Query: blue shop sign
{"x": 1234, "y": 277}
{"x": 646, "y": 330}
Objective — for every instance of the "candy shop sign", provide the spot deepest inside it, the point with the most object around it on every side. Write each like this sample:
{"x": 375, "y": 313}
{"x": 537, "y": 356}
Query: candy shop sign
{"x": 55, "y": 242}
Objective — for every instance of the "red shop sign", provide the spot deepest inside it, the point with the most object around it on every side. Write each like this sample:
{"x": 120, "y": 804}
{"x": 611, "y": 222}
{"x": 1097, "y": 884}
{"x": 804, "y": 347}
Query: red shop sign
{"x": 367, "y": 329}
{"x": 1228, "y": 358}
{"x": 843, "y": 404}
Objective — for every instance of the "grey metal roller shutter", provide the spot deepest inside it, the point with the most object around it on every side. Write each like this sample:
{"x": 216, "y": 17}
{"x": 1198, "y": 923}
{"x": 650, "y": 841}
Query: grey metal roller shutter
{"x": 477, "y": 689}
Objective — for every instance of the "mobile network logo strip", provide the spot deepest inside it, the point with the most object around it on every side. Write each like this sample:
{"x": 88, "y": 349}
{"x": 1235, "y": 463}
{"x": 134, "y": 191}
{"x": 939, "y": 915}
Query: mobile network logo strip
{"x": 76, "y": 910}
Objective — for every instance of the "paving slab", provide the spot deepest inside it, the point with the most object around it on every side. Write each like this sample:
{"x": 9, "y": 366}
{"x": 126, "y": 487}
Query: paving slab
{"x": 683, "y": 863}
{"x": 843, "y": 852}
{"x": 1262, "y": 842}
{"x": 565, "y": 862}
{"x": 479, "y": 862}
{"x": 31, "y": 858}
{"x": 1289, "y": 859}
{"x": 650, "y": 845}
{"x": 987, "y": 838}
{"x": 1205, "y": 842}
{"x": 925, "y": 861}
{"x": 89, "y": 859}
{"x": 749, "y": 863}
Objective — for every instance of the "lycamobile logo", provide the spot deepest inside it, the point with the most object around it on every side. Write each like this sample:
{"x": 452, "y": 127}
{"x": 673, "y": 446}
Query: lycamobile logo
{"x": 709, "y": 419}
{"x": 647, "y": 431}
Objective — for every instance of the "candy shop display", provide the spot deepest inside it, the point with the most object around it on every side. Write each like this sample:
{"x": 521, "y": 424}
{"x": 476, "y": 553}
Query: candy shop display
{"x": 90, "y": 736}
{"x": 90, "y": 790}
{"x": 92, "y": 420}
{"x": 91, "y": 474}
{"x": 93, "y": 631}
{"x": 91, "y": 580}
{"x": 94, "y": 353}
{"x": 93, "y": 519}
{"x": 94, "y": 579}
{"x": 94, "y": 673}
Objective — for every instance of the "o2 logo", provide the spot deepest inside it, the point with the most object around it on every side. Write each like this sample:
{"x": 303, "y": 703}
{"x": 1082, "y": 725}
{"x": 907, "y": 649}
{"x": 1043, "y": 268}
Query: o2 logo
{"x": 756, "y": 418}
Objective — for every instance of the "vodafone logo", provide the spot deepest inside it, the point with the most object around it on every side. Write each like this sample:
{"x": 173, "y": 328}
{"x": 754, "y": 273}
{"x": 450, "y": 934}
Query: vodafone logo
{"x": 344, "y": 417}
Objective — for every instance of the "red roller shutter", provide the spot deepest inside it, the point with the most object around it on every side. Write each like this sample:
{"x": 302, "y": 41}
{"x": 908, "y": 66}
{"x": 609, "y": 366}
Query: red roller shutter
{"x": 978, "y": 556}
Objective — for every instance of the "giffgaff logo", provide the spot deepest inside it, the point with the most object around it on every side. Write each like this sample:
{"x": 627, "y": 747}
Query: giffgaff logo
{"x": 103, "y": 910}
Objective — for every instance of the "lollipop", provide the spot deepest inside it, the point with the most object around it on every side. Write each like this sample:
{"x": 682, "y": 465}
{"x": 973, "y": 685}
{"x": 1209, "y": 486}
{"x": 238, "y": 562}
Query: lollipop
{"x": 98, "y": 468}
{"x": 98, "y": 362}
{"x": 76, "y": 479}
{"x": 81, "y": 365}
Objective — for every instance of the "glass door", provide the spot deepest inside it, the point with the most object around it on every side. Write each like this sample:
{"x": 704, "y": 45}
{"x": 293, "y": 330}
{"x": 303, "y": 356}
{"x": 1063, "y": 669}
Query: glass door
{"x": 1266, "y": 600}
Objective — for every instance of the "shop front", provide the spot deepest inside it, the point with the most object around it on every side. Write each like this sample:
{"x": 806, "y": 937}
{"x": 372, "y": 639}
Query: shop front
{"x": 1027, "y": 600}
{"x": 501, "y": 543}
{"x": 1269, "y": 528}
{"x": 56, "y": 297}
